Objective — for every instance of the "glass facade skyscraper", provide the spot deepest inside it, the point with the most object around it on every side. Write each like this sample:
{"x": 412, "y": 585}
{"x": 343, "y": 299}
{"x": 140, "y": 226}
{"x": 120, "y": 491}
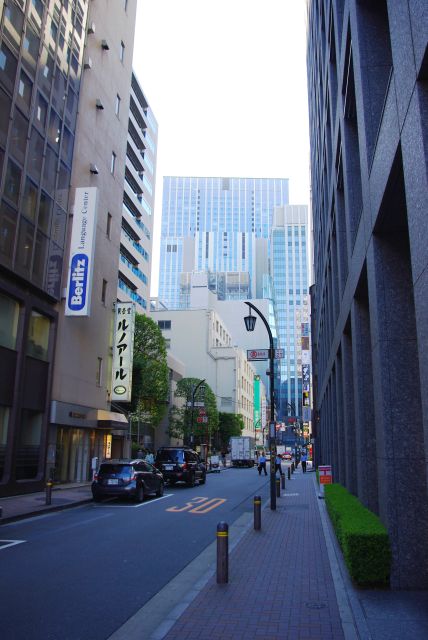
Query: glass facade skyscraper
{"x": 289, "y": 268}
{"x": 214, "y": 224}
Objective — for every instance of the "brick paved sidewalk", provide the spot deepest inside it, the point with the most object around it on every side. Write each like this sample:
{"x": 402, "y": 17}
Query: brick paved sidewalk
{"x": 280, "y": 583}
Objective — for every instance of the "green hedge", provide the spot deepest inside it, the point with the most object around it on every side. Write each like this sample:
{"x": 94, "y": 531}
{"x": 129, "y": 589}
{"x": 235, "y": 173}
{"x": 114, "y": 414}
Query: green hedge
{"x": 361, "y": 535}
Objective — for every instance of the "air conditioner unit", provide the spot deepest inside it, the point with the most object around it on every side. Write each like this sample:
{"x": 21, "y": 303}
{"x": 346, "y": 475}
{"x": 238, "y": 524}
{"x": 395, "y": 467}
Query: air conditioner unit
{"x": 91, "y": 27}
{"x": 99, "y": 104}
{"x": 87, "y": 64}
{"x": 93, "y": 168}
{"x": 104, "y": 45}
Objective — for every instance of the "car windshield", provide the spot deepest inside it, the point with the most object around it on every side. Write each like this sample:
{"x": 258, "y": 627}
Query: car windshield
{"x": 121, "y": 470}
{"x": 170, "y": 455}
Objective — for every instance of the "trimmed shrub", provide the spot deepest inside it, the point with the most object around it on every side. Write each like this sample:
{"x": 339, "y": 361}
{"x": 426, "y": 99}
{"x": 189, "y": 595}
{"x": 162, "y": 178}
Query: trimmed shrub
{"x": 363, "y": 538}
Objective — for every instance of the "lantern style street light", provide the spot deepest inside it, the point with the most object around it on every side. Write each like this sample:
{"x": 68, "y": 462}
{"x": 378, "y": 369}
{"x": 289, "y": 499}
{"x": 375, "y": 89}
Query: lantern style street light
{"x": 250, "y": 323}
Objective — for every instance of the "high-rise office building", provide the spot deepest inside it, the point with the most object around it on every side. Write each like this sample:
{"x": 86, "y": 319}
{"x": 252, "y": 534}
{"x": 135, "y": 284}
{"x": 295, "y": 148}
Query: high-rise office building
{"x": 368, "y": 104}
{"x": 289, "y": 270}
{"x": 61, "y": 137}
{"x": 219, "y": 225}
{"x": 41, "y": 61}
{"x": 138, "y": 202}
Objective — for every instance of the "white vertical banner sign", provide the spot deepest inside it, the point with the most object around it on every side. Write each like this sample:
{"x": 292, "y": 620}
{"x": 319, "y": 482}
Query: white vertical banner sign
{"x": 82, "y": 249}
{"x": 123, "y": 350}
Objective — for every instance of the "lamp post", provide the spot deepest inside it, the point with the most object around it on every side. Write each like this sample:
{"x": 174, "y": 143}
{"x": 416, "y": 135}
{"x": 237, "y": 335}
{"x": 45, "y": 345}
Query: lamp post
{"x": 194, "y": 389}
{"x": 250, "y": 323}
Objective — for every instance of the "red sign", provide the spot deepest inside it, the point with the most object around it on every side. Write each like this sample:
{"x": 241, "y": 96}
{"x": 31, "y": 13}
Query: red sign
{"x": 324, "y": 474}
{"x": 202, "y": 412}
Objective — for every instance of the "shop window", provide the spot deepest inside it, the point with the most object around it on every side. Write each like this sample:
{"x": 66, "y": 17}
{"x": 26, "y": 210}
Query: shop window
{"x": 38, "y": 336}
{"x": 9, "y": 315}
{"x": 28, "y": 452}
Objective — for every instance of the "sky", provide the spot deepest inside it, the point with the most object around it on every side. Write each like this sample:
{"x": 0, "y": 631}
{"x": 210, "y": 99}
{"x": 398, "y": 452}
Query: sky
{"x": 226, "y": 81}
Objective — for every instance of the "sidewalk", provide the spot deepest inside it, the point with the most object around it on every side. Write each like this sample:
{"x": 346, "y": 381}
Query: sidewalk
{"x": 30, "y": 504}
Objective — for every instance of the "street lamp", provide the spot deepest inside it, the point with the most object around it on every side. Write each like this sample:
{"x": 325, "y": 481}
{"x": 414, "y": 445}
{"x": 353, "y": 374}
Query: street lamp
{"x": 250, "y": 322}
{"x": 194, "y": 389}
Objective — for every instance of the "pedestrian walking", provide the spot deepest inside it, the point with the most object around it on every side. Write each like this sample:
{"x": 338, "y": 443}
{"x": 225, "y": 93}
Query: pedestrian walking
{"x": 278, "y": 461}
{"x": 303, "y": 460}
{"x": 262, "y": 463}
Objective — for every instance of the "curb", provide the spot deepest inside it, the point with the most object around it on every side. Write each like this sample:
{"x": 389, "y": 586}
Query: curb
{"x": 40, "y": 512}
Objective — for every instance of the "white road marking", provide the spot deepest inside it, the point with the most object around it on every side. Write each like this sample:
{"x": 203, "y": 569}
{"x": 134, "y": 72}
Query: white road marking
{"x": 109, "y": 503}
{"x": 9, "y": 543}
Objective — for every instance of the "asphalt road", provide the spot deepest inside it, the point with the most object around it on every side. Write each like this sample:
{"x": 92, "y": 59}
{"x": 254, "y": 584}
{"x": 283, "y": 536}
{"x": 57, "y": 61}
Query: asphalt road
{"x": 80, "y": 574}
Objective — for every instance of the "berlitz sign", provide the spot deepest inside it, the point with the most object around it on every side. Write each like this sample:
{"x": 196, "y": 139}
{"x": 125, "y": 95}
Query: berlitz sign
{"x": 82, "y": 248}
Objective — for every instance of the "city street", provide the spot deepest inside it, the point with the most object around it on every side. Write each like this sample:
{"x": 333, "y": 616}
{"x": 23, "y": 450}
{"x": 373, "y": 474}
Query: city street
{"x": 82, "y": 573}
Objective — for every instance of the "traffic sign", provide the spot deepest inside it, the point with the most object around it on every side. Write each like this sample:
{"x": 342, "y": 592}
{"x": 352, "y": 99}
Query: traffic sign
{"x": 263, "y": 354}
{"x": 202, "y": 419}
{"x": 202, "y": 412}
{"x": 195, "y": 404}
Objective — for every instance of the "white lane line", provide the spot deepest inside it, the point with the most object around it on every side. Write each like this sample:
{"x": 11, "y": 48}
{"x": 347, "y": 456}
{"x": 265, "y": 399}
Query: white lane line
{"x": 131, "y": 506}
{"x": 9, "y": 543}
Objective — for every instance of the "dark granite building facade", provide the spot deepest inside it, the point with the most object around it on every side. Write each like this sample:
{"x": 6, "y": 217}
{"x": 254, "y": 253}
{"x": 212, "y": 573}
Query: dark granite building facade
{"x": 368, "y": 104}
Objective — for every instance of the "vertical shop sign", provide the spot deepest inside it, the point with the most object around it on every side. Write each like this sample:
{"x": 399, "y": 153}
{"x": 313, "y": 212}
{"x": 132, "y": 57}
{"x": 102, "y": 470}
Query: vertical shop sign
{"x": 123, "y": 348}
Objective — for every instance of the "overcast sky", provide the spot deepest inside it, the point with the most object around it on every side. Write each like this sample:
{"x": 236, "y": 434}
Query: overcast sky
{"x": 226, "y": 80}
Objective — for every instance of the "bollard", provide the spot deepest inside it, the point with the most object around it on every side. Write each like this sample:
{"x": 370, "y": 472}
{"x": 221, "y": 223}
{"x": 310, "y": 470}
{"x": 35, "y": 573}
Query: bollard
{"x": 257, "y": 513}
{"x": 222, "y": 553}
{"x": 289, "y": 473}
{"x": 282, "y": 481}
{"x": 278, "y": 487}
{"x": 1, "y": 512}
{"x": 49, "y": 486}
{"x": 292, "y": 467}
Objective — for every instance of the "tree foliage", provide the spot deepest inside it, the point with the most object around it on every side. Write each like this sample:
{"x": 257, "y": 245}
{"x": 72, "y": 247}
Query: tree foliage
{"x": 230, "y": 424}
{"x": 181, "y": 422}
{"x": 150, "y": 372}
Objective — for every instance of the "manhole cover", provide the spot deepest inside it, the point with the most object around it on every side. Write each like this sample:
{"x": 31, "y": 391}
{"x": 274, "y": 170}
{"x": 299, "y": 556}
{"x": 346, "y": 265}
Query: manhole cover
{"x": 315, "y": 605}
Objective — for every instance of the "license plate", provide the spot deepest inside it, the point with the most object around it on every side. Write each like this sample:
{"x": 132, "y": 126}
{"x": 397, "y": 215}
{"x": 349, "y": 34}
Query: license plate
{"x": 168, "y": 467}
{"x": 113, "y": 481}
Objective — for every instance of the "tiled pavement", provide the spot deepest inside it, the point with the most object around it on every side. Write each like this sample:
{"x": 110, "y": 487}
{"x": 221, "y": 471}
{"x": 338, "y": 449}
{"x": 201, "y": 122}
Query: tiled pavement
{"x": 280, "y": 582}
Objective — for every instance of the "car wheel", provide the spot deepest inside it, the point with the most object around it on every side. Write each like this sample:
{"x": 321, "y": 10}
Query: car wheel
{"x": 203, "y": 478}
{"x": 159, "y": 492}
{"x": 191, "y": 480}
{"x": 96, "y": 497}
{"x": 139, "y": 496}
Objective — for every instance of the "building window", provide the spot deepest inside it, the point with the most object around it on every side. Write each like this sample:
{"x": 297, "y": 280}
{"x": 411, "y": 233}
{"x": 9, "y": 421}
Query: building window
{"x": 122, "y": 51}
{"x": 117, "y": 105}
{"x": 38, "y": 336}
{"x": 108, "y": 230}
{"x": 9, "y": 314}
{"x": 164, "y": 324}
{"x": 99, "y": 372}
{"x": 104, "y": 291}
{"x": 113, "y": 163}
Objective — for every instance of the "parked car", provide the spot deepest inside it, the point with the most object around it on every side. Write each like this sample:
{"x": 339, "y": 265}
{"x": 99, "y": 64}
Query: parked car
{"x": 133, "y": 478}
{"x": 180, "y": 464}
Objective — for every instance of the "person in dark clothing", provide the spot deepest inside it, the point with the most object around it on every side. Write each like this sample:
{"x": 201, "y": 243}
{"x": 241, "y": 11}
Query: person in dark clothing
{"x": 278, "y": 465}
{"x": 303, "y": 460}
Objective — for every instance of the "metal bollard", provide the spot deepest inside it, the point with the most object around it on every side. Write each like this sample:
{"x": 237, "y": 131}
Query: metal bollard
{"x": 282, "y": 481}
{"x": 49, "y": 486}
{"x": 292, "y": 467}
{"x": 257, "y": 513}
{"x": 289, "y": 473}
{"x": 278, "y": 487}
{"x": 222, "y": 553}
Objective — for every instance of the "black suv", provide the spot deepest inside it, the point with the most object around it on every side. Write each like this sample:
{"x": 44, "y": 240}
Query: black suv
{"x": 180, "y": 464}
{"x": 135, "y": 478}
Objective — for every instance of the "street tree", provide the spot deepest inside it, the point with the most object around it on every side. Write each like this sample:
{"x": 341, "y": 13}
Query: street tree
{"x": 183, "y": 422}
{"x": 230, "y": 424}
{"x": 149, "y": 373}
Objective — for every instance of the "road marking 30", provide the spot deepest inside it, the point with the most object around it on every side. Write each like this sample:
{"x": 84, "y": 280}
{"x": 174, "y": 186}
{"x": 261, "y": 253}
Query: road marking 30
{"x": 9, "y": 543}
{"x": 200, "y": 504}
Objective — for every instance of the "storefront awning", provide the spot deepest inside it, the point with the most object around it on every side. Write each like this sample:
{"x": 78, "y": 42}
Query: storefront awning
{"x": 112, "y": 420}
